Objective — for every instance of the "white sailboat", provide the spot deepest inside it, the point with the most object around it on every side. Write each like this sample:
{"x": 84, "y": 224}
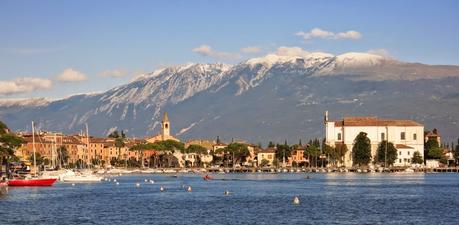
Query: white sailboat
{"x": 83, "y": 176}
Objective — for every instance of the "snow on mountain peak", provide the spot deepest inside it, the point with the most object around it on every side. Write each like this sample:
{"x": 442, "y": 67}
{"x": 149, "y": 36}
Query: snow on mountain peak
{"x": 358, "y": 59}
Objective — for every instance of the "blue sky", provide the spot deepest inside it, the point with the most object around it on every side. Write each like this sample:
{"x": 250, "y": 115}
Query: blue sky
{"x": 57, "y": 48}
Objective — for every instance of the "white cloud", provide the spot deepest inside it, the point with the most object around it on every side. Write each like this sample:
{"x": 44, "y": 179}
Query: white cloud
{"x": 113, "y": 73}
{"x": 23, "y": 85}
{"x": 251, "y": 50}
{"x": 324, "y": 34}
{"x": 71, "y": 75}
{"x": 381, "y": 52}
{"x": 206, "y": 50}
{"x": 291, "y": 51}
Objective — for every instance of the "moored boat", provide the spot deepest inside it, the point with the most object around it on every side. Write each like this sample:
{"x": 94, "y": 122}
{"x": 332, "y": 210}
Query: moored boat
{"x": 32, "y": 182}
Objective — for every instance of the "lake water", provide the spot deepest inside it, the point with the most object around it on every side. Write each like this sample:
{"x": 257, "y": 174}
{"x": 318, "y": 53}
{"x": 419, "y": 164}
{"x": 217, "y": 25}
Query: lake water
{"x": 256, "y": 199}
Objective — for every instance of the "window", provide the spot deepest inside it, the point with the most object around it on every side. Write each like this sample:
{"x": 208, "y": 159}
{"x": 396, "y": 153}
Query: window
{"x": 400, "y": 160}
{"x": 402, "y": 136}
{"x": 383, "y": 136}
{"x": 400, "y": 153}
{"x": 408, "y": 152}
{"x": 339, "y": 136}
{"x": 415, "y": 136}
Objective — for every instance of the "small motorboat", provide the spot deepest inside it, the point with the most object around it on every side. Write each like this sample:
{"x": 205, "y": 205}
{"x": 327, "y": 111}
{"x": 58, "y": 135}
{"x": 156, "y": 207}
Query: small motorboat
{"x": 207, "y": 177}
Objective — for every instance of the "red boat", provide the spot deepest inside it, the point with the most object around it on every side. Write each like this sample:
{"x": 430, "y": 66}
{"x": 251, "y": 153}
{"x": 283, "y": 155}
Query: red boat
{"x": 207, "y": 177}
{"x": 32, "y": 182}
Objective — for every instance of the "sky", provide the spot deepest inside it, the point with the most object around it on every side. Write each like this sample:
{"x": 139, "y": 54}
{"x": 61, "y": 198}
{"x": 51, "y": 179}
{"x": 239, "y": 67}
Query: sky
{"x": 55, "y": 49}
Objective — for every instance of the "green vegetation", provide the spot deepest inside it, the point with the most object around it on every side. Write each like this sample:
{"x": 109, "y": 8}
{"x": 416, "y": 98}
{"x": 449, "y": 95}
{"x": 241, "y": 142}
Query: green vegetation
{"x": 168, "y": 145}
{"x": 456, "y": 152}
{"x": 198, "y": 149}
{"x": 264, "y": 162}
{"x": 8, "y": 144}
{"x": 361, "y": 152}
{"x": 283, "y": 151}
{"x": 391, "y": 153}
{"x": 417, "y": 158}
{"x": 238, "y": 150}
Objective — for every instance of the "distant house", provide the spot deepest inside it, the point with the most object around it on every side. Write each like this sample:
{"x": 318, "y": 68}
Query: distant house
{"x": 406, "y": 135}
{"x": 268, "y": 154}
{"x": 297, "y": 156}
{"x": 432, "y": 135}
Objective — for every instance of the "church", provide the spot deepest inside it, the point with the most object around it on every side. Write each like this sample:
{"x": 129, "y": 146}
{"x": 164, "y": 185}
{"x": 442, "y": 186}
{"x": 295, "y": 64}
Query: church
{"x": 165, "y": 133}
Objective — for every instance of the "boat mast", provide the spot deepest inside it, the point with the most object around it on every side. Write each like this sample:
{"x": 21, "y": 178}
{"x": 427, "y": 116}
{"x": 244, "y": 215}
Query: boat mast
{"x": 33, "y": 147}
{"x": 87, "y": 143}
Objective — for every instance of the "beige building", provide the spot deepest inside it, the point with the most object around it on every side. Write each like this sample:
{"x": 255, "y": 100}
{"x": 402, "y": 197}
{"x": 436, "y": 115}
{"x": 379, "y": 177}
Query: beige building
{"x": 268, "y": 154}
{"x": 165, "y": 133}
{"x": 406, "y": 135}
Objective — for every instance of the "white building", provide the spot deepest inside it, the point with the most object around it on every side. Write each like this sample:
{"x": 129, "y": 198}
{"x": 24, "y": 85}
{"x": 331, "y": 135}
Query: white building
{"x": 406, "y": 135}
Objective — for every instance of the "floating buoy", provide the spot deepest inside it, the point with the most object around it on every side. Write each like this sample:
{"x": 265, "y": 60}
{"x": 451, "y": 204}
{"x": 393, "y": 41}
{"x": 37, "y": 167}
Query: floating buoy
{"x": 227, "y": 193}
{"x": 296, "y": 200}
{"x": 189, "y": 189}
{"x": 119, "y": 174}
{"x": 161, "y": 188}
{"x": 146, "y": 180}
{"x": 105, "y": 179}
{"x": 137, "y": 184}
{"x": 183, "y": 186}
{"x": 152, "y": 181}
{"x": 114, "y": 180}
{"x": 109, "y": 179}
{"x": 73, "y": 184}
{"x": 117, "y": 183}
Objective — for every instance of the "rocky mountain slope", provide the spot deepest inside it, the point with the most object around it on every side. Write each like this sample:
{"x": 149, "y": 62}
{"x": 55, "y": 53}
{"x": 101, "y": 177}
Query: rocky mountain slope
{"x": 268, "y": 98}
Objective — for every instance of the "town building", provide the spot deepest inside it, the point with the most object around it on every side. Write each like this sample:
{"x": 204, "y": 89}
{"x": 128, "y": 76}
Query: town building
{"x": 268, "y": 154}
{"x": 406, "y": 135}
{"x": 297, "y": 156}
{"x": 165, "y": 133}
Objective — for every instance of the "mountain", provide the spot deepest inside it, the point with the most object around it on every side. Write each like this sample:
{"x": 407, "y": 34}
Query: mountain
{"x": 273, "y": 97}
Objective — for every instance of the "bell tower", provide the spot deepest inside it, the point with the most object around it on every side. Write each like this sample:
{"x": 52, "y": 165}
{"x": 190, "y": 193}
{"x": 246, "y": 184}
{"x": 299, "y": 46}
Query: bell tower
{"x": 165, "y": 126}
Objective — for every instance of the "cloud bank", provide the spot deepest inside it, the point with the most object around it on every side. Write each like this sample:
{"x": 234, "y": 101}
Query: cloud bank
{"x": 318, "y": 33}
{"x": 71, "y": 75}
{"x": 24, "y": 85}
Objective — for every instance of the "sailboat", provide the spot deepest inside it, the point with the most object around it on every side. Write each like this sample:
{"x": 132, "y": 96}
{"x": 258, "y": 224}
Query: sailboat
{"x": 85, "y": 176}
{"x": 32, "y": 181}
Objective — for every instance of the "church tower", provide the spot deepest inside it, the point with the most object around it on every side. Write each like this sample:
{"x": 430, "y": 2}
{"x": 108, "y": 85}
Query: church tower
{"x": 165, "y": 126}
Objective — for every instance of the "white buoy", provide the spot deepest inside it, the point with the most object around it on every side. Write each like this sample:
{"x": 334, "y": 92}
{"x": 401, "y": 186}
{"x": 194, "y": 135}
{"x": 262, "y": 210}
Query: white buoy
{"x": 73, "y": 184}
{"x": 227, "y": 193}
{"x": 189, "y": 189}
{"x": 105, "y": 179}
{"x": 146, "y": 180}
{"x": 109, "y": 179}
{"x": 119, "y": 174}
{"x": 161, "y": 188}
{"x": 296, "y": 200}
{"x": 183, "y": 186}
{"x": 152, "y": 181}
{"x": 114, "y": 180}
{"x": 117, "y": 183}
{"x": 137, "y": 184}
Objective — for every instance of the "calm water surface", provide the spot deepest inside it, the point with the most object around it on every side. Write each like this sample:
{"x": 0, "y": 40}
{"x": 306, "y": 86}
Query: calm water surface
{"x": 255, "y": 199}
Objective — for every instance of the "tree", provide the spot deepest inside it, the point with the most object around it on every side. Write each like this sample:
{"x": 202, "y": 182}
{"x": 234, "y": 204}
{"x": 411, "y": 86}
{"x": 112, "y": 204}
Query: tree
{"x": 40, "y": 160}
{"x": 331, "y": 152}
{"x": 264, "y": 162}
{"x": 341, "y": 150}
{"x": 198, "y": 149}
{"x": 237, "y": 150}
{"x": 271, "y": 144}
{"x": 283, "y": 151}
{"x": 311, "y": 153}
{"x": 417, "y": 158}
{"x": 391, "y": 153}
{"x": 361, "y": 152}
{"x": 435, "y": 153}
{"x": 9, "y": 142}
{"x": 456, "y": 152}
{"x": 116, "y": 134}
{"x": 431, "y": 145}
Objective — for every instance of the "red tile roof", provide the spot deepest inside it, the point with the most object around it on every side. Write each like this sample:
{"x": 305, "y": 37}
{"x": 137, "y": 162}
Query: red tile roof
{"x": 374, "y": 121}
{"x": 403, "y": 146}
